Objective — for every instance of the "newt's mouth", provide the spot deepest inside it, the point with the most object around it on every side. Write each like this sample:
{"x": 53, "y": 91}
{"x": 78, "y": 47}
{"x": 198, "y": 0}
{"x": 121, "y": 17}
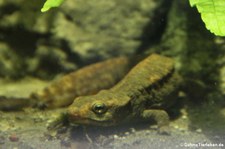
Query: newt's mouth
{"x": 89, "y": 121}
{"x": 81, "y": 116}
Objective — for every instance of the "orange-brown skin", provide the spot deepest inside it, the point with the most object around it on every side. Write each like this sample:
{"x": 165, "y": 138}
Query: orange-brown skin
{"x": 143, "y": 94}
{"x": 85, "y": 81}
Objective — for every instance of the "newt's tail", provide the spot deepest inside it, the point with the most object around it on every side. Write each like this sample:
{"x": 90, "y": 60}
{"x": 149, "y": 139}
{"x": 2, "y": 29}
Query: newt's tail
{"x": 14, "y": 103}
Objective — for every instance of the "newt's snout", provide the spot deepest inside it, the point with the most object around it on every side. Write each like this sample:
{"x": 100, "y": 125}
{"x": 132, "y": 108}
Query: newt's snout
{"x": 73, "y": 114}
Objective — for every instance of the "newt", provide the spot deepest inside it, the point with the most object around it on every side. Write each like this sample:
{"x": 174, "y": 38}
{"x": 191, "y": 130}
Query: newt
{"x": 85, "y": 81}
{"x": 144, "y": 94}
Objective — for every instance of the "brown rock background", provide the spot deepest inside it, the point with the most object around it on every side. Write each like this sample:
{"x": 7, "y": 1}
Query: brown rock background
{"x": 76, "y": 34}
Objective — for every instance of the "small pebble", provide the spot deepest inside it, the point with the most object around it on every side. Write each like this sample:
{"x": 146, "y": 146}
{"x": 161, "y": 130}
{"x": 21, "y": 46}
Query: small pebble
{"x": 176, "y": 126}
{"x": 154, "y": 127}
{"x": 115, "y": 136}
{"x": 14, "y": 138}
{"x": 198, "y": 130}
{"x": 184, "y": 117}
{"x": 133, "y": 130}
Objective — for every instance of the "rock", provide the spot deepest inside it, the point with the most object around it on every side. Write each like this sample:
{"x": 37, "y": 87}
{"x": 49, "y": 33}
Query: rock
{"x": 13, "y": 138}
{"x": 10, "y": 63}
{"x": 198, "y": 57}
{"x": 101, "y": 29}
{"x": 77, "y": 33}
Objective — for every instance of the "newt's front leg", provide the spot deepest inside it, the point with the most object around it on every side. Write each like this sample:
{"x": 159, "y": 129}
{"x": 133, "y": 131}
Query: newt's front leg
{"x": 160, "y": 116}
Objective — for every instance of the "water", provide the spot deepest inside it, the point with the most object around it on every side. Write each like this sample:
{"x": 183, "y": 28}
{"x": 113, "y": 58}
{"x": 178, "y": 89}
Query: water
{"x": 37, "y": 48}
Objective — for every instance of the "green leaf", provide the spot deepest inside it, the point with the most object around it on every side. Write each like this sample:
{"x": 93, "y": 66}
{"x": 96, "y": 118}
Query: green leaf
{"x": 213, "y": 14}
{"x": 51, "y": 3}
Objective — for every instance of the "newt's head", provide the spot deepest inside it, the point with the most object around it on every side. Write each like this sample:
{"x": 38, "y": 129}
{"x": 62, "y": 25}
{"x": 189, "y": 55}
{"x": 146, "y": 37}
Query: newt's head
{"x": 102, "y": 109}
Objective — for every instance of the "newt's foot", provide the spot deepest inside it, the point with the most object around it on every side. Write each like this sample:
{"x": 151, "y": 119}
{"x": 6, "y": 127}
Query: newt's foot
{"x": 161, "y": 117}
{"x": 58, "y": 122}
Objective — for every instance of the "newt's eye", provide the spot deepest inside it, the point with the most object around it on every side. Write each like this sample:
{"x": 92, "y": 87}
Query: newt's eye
{"x": 99, "y": 108}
